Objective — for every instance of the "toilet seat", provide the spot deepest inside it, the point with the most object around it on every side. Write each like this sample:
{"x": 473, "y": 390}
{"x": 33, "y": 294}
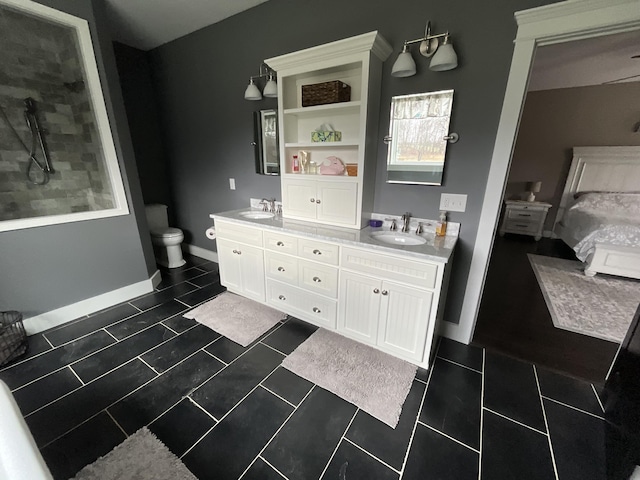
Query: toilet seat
{"x": 166, "y": 233}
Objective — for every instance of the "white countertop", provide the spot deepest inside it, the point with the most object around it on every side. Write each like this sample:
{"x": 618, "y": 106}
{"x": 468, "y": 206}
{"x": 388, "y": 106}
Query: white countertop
{"x": 438, "y": 249}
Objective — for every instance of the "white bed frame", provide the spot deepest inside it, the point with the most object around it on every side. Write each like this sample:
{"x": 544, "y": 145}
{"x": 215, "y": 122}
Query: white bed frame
{"x": 603, "y": 169}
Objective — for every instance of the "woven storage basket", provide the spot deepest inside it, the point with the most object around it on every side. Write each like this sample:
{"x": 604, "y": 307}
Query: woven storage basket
{"x": 327, "y": 92}
{"x": 13, "y": 339}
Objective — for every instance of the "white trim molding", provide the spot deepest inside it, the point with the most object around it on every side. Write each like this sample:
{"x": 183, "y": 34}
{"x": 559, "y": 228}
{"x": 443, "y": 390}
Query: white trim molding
{"x": 560, "y": 22}
{"x": 59, "y": 316}
{"x": 200, "y": 252}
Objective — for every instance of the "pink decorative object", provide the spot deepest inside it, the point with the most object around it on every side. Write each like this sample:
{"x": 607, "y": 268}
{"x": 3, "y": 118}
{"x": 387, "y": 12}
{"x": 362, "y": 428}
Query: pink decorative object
{"x": 332, "y": 166}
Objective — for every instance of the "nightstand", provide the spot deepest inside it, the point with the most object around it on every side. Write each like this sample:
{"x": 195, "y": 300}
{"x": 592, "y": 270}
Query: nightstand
{"x": 525, "y": 218}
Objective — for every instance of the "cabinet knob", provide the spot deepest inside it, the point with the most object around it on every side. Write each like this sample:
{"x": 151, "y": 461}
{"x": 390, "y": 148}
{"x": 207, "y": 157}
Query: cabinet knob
{"x": 316, "y": 310}
{"x": 312, "y": 200}
{"x": 384, "y": 292}
{"x": 317, "y": 252}
{"x": 317, "y": 279}
{"x": 282, "y": 297}
{"x": 317, "y": 200}
{"x": 237, "y": 252}
{"x": 281, "y": 269}
{"x": 375, "y": 290}
{"x": 280, "y": 244}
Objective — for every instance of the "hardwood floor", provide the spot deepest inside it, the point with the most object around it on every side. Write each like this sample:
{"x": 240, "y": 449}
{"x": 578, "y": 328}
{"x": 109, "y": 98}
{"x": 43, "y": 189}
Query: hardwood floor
{"x": 514, "y": 318}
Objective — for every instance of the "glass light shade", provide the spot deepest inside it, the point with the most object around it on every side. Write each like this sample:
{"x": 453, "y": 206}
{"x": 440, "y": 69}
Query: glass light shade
{"x": 252, "y": 92}
{"x": 271, "y": 89}
{"x": 405, "y": 66}
{"x": 444, "y": 59}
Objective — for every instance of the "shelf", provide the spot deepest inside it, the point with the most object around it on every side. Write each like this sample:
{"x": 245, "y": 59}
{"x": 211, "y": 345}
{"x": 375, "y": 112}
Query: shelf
{"x": 321, "y": 145}
{"x": 322, "y": 178}
{"x": 338, "y": 108}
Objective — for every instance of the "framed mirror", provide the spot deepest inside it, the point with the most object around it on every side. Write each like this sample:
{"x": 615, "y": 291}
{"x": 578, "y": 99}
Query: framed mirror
{"x": 417, "y": 130}
{"x": 266, "y": 142}
{"x": 59, "y": 162}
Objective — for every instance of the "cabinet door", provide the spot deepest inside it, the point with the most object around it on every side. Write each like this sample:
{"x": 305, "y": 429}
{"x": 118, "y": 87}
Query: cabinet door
{"x": 252, "y": 272}
{"x": 337, "y": 202}
{"x": 299, "y": 198}
{"x": 359, "y": 307}
{"x": 404, "y": 317}
{"x": 229, "y": 264}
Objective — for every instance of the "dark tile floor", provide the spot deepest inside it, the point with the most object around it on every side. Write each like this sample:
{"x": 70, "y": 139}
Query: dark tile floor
{"x": 231, "y": 412}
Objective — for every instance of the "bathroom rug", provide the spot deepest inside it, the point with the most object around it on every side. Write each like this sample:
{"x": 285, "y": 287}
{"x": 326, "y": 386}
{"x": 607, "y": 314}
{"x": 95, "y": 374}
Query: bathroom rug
{"x": 140, "y": 456}
{"x": 373, "y": 381}
{"x": 237, "y": 318}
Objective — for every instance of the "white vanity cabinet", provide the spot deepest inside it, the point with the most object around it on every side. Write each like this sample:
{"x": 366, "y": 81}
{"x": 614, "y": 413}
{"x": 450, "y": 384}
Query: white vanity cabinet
{"x": 331, "y": 202}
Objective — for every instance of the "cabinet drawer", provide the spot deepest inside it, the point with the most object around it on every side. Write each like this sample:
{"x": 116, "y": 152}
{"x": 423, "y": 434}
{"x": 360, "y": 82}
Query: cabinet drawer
{"x": 281, "y": 267}
{"x": 305, "y": 305}
{"x": 239, "y": 233}
{"x": 318, "y": 278}
{"x": 280, "y": 243}
{"x": 318, "y": 251}
{"x": 523, "y": 226}
{"x": 422, "y": 275}
{"x": 528, "y": 215}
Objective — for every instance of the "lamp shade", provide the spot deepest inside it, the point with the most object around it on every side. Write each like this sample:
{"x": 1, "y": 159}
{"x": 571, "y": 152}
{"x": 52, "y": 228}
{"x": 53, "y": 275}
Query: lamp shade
{"x": 271, "y": 88}
{"x": 252, "y": 92}
{"x": 534, "y": 187}
{"x": 445, "y": 58}
{"x": 405, "y": 66}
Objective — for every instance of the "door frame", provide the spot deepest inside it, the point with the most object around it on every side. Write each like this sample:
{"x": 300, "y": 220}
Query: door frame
{"x": 547, "y": 25}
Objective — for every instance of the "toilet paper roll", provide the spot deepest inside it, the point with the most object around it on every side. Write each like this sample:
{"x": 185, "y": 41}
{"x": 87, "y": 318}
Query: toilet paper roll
{"x": 211, "y": 233}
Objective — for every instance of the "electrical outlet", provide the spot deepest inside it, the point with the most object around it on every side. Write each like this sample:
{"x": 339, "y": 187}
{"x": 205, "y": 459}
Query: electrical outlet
{"x": 453, "y": 202}
{"x": 232, "y": 183}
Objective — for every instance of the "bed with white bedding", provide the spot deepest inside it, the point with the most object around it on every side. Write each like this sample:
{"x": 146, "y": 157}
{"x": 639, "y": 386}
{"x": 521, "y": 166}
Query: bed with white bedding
{"x": 599, "y": 216}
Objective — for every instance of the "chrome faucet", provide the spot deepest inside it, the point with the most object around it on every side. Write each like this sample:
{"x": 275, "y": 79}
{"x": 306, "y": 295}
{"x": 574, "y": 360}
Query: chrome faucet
{"x": 268, "y": 205}
{"x": 406, "y": 218}
{"x": 265, "y": 204}
{"x": 394, "y": 226}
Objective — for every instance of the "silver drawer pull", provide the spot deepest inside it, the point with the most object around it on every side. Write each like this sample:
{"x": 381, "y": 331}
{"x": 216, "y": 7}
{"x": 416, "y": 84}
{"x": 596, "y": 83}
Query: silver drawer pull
{"x": 280, "y": 244}
{"x": 237, "y": 252}
{"x": 316, "y": 310}
{"x": 375, "y": 290}
{"x": 524, "y": 214}
{"x": 317, "y": 279}
{"x": 384, "y": 292}
{"x": 318, "y": 201}
{"x": 521, "y": 226}
{"x": 317, "y": 252}
{"x": 312, "y": 200}
{"x": 282, "y": 297}
{"x": 281, "y": 269}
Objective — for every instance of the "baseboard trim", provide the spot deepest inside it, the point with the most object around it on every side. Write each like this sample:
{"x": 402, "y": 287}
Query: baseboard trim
{"x": 453, "y": 331}
{"x": 200, "y": 252}
{"x": 156, "y": 278}
{"x": 59, "y": 316}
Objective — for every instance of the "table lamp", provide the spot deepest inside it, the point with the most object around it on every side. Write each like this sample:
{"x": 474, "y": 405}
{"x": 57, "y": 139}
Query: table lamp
{"x": 533, "y": 188}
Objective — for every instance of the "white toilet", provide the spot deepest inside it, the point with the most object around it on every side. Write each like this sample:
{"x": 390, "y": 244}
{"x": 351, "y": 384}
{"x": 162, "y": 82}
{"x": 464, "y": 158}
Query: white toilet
{"x": 166, "y": 240}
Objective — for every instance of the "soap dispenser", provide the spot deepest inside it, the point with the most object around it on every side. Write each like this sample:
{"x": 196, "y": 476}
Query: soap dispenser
{"x": 441, "y": 227}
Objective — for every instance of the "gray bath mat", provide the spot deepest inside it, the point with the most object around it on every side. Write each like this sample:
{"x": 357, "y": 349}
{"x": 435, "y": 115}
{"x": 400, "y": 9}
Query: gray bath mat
{"x": 600, "y": 306}
{"x": 372, "y": 380}
{"x": 237, "y": 318}
{"x": 141, "y": 456}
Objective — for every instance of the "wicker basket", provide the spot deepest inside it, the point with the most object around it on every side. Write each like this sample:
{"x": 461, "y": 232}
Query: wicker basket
{"x": 327, "y": 92}
{"x": 13, "y": 339}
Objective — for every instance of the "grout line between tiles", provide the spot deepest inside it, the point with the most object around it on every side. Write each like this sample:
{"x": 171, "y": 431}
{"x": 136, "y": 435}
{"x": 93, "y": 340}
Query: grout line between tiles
{"x": 151, "y": 367}
{"x": 74, "y": 372}
{"x": 460, "y": 365}
{"x": 546, "y": 423}
{"x": 139, "y": 309}
{"x": 184, "y": 303}
{"x": 514, "y": 421}
{"x": 211, "y": 354}
{"x": 191, "y": 283}
{"x": 276, "y": 433}
{"x": 268, "y": 463}
{"x": 419, "y": 380}
{"x": 449, "y": 437}
{"x": 274, "y": 349}
{"x": 595, "y": 392}
{"x": 370, "y": 454}
{"x": 572, "y": 407}
{"x": 110, "y": 334}
{"x": 200, "y": 407}
{"x": 275, "y": 394}
{"x": 116, "y": 422}
{"x": 169, "y": 328}
{"x": 47, "y": 340}
{"x": 484, "y": 355}
{"x": 339, "y": 442}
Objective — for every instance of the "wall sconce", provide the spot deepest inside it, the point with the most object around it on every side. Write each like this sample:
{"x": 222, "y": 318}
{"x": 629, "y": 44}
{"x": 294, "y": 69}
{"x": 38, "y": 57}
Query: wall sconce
{"x": 444, "y": 56}
{"x": 270, "y": 89}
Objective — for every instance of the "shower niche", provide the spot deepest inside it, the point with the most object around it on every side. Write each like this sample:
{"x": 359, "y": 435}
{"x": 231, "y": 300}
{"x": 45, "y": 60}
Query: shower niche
{"x": 58, "y": 162}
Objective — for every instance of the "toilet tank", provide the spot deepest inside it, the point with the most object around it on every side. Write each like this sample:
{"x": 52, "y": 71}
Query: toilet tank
{"x": 156, "y": 216}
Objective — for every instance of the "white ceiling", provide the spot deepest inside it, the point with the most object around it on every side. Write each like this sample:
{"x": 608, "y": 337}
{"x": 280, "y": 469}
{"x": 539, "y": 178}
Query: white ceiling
{"x": 593, "y": 61}
{"x": 146, "y": 24}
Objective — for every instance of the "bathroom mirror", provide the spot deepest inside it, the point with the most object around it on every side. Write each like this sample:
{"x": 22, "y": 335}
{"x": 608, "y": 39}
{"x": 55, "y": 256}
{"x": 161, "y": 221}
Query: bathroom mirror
{"x": 59, "y": 162}
{"x": 266, "y": 142}
{"x": 417, "y": 130}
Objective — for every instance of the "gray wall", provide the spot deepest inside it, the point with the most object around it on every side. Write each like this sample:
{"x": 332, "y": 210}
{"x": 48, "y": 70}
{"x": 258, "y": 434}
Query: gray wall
{"x": 555, "y": 121}
{"x": 208, "y": 126}
{"x": 49, "y": 267}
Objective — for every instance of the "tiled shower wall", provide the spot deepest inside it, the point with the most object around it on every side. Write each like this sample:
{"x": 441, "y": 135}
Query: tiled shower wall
{"x": 41, "y": 60}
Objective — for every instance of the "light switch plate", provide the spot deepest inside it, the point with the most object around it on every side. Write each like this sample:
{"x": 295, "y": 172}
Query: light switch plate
{"x": 232, "y": 183}
{"x": 453, "y": 202}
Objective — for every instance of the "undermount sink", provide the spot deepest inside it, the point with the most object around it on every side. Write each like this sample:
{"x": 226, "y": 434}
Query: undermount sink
{"x": 398, "y": 238}
{"x": 257, "y": 215}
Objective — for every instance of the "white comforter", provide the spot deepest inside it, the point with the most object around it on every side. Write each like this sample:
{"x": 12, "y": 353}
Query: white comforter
{"x": 612, "y": 218}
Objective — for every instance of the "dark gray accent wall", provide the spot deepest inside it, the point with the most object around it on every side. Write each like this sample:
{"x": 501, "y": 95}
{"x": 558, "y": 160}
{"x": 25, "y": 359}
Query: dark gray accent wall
{"x": 45, "y": 268}
{"x": 207, "y": 123}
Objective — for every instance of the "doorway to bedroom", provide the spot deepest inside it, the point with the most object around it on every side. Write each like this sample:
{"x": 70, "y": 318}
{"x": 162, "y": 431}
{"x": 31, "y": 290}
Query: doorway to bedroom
{"x": 537, "y": 304}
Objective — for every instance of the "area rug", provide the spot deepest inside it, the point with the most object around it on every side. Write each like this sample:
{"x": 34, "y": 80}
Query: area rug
{"x": 372, "y": 380}
{"x": 237, "y": 318}
{"x": 141, "y": 456}
{"x": 601, "y": 306}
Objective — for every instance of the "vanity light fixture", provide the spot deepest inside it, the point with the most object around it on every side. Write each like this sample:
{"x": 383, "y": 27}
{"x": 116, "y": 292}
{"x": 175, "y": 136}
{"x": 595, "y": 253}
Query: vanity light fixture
{"x": 270, "y": 89}
{"x": 444, "y": 56}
